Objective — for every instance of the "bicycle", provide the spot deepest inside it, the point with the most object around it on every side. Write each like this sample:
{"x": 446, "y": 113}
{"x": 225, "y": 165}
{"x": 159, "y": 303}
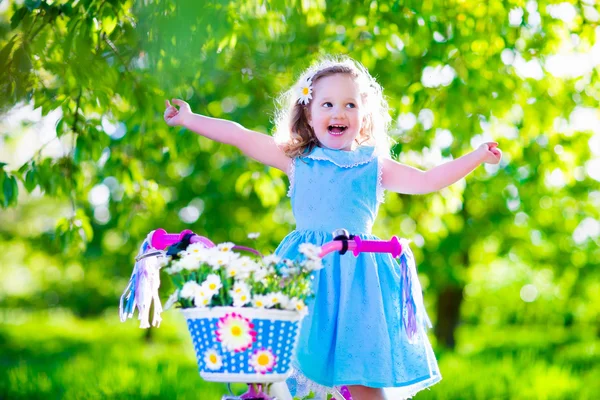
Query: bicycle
{"x": 160, "y": 243}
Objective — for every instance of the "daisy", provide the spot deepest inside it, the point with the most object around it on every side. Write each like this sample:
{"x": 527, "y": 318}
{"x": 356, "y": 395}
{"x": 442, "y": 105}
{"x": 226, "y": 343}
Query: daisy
{"x": 212, "y": 283}
{"x": 235, "y": 332}
{"x": 189, "y": 290}
{"x": 310, "y": 250}
{"x": 189, "y": 263}
{"x": 313, "y": 265}
{"x": 240, "y": 294}
{"x": 241, "y": 299}
{"x": 260, "y": 274}
{"x": 277, "y": 298}
{"x": 219, "y": 259}
{"x": 213, "y": 359}
{"x": 297, "y": 305}
{"x": 246, "y": 264}
{"x": 259, "y": 301}
{"x": 263, "y": 361}
{"x": 288, "y": 262}
{"x": 232, "y": 271}
{"x": 305, "y": 91}
{"x": 175, "y": 267}
{"x": 202, "y": 300}
{"x": 225, "y": 247}
{"x": 240, "y": 287}
{"x": 271, "y": 259}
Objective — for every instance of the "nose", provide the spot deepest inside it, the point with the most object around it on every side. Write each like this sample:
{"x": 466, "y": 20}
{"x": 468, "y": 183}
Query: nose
{"x": 338, "y": 111}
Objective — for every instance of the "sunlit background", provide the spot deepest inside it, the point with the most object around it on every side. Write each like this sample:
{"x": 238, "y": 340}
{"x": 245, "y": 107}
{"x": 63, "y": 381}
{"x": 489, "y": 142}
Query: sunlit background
{"x": 508, "y": 257}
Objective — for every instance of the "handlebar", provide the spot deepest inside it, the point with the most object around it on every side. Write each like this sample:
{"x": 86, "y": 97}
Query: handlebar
{"x": 161, "y": 240}
{"x": 357, "y": 246}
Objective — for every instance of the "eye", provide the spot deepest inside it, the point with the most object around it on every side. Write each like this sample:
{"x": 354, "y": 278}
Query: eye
{"x": 351, "y": 105}
{"x": 327, "y": 104}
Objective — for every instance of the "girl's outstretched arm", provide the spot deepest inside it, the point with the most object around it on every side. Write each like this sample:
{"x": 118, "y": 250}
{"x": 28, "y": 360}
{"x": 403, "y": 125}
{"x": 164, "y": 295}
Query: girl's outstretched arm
{"x": 402, "y": 178}
{"x": 255, "y": 145}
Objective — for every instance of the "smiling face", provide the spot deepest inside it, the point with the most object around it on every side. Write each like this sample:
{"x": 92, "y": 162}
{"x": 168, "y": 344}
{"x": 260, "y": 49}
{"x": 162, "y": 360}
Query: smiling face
{"x": 336, "y": 111}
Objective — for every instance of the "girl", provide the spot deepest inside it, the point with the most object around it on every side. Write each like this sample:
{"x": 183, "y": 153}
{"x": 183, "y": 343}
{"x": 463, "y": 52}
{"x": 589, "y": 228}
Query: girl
{"x": 331, "y": 141}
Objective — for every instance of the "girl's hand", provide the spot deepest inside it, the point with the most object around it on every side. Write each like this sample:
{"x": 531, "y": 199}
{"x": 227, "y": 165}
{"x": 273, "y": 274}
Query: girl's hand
{"x": 175, "y": 117}
{"x": 491, "y": 154}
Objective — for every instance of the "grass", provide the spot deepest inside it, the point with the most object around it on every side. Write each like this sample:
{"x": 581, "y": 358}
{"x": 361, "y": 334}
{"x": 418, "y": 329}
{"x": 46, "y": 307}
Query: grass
{"x": 57, "y": 356}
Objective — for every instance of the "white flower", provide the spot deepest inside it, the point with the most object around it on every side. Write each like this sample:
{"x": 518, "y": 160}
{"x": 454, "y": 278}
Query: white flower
{"x": 310, "y": 250}
{"x": 277, "y": 298}
{"x": 175, "y": 267}
{"x": 313, "y": 265}
{"x": 288, "y": 262}
{"x": 225, "y": 247}
{"x": 219, "y": 259}
{"x": 212, "y": 283}
{"x": 202, "y": 300}
{"x": 259, "y": 301}
{"x": 297, "y": 305}
{"x": 198, "y": 251}
{"x": 260, "y": 274}
{"x": 240, "y": 287}
{"x": 253, "y": 235}
{"x": 240, "y": 294}
{"x": 240, "y": 299}
{"x": 271, "y": 259}
{"x": 189, "y": 290}
{"x": 305, "y": 91}
{"x": 189, "y": 262}
{"x": 245, "y": 263}
{"x": 232, "y": 271}
{"x": 241, "y": 268}
{"x": 213, "y": 359}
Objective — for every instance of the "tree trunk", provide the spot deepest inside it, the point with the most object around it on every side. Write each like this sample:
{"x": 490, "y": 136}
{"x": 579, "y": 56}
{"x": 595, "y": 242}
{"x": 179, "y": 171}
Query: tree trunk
{"x": 448, "y": 312}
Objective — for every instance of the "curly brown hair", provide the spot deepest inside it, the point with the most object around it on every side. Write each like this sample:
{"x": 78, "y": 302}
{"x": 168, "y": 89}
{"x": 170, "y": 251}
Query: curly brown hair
{"x": 292, "y": 129}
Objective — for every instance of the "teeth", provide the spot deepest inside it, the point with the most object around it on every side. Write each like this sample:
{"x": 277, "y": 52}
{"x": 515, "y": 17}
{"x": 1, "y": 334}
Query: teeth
{"x": 342, "y": 127}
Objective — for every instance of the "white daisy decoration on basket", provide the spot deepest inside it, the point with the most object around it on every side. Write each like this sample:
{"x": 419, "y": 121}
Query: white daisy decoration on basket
{"x": 235, "y": 332}
{"x": 305, "y": 91}
{"x": 263, "y": 361}
{"x": 213, "y": 359}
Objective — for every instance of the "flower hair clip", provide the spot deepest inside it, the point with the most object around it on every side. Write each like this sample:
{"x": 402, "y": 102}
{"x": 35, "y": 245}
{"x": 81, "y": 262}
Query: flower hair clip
{"x": 305, "y": 91}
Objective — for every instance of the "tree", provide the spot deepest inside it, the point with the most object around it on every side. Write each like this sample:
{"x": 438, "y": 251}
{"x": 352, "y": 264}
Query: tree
{"x": 453, "y": 71}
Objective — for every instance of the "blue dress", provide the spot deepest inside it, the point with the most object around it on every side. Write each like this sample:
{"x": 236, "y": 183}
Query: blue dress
{"x": 354, "y": 333}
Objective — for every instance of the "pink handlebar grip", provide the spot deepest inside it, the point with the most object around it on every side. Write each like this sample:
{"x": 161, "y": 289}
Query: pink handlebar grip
{"x": 391, "y": 246}
{"x": 161, "y": 239}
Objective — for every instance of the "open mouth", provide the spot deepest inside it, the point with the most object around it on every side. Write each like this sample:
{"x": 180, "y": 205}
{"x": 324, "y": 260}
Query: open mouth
{"x": 337, "y": 130}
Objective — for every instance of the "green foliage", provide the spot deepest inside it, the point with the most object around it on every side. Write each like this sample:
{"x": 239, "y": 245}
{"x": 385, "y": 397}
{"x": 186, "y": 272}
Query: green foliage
{"x": 107, "y": 66}
{"x": 57, "y": 356}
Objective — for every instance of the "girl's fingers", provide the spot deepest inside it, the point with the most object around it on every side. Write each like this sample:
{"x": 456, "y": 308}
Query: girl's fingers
{"x": 167, "y": 104}
{"x": 178, "y": 102}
